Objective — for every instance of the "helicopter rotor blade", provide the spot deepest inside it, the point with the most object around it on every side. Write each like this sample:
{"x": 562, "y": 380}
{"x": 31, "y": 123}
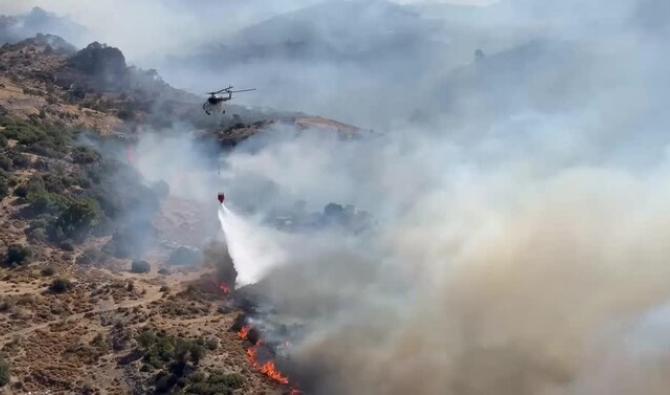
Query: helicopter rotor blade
{"x": 222, "y": 90}
{"x": 242, "y": 90}
{"x": 229, "y": 90}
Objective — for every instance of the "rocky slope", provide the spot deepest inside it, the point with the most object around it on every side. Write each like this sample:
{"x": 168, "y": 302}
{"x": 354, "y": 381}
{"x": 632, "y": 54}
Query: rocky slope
{"x": 87, "y": 306}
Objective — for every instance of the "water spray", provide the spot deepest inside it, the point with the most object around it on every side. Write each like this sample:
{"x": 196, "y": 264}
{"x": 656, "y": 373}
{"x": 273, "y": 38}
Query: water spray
{"x": 251, "y": 247}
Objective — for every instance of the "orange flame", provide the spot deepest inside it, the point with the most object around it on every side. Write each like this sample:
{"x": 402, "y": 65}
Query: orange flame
{"x": 268, "y": 368}
{"x": 224, "y": 288}
{"x": 244, "y": 332}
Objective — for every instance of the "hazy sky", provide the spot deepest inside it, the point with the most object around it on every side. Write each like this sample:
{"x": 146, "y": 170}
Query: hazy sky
{"x": 139, "y": 28}
{"x": 67, "y": 6}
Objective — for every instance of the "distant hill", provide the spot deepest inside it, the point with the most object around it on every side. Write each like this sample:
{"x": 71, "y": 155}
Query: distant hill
{"x": 377, "y": 53}
{"x": 338, "y": 31}
{"x": 15, "y": 28}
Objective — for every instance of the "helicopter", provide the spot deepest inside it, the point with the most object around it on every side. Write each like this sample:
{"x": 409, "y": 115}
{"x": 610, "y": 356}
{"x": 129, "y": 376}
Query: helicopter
{"x": 215, "y": 101}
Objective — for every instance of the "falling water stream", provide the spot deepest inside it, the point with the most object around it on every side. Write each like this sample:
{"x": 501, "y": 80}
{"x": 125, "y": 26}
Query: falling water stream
{"x": 251, "y": 247}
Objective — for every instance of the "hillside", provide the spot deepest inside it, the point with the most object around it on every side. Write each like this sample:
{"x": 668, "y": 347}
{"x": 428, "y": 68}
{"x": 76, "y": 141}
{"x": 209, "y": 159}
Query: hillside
{"x": 350, "y": 32}
{"x": 101, "y": 288}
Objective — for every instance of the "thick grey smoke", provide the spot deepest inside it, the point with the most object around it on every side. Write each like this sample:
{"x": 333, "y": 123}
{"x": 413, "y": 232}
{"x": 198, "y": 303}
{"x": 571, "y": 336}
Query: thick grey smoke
{"x": 515, "y": 276}
{"x": 523, "y": 241}
{"x": 522, "y": 238}
{"x": 521, "y": 199}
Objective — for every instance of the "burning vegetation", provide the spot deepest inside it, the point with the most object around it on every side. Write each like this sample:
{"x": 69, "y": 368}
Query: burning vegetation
{"x": 260, "y": 356}
{"x": 268, "y": 368}
{"x": 225, "y": 288}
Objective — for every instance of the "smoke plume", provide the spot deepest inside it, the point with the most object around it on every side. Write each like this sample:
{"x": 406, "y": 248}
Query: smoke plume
{"x": 520, "y": 193}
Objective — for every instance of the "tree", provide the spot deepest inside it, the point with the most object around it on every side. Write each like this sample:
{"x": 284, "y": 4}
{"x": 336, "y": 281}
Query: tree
{"x": 17, "y": 255}
{"x": 60, "y": 285}
{"x": 85, "y": 155}
{"x": 76, "y": 221}
{"x": 44, "y": 202}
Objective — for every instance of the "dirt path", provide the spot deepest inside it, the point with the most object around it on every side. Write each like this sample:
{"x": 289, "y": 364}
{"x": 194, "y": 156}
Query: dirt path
{"x": 149, "y": 297}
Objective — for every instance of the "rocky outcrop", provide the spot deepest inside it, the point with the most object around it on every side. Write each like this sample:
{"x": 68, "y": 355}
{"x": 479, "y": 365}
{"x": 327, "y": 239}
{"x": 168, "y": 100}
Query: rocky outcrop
{"x": 105, "y": 65}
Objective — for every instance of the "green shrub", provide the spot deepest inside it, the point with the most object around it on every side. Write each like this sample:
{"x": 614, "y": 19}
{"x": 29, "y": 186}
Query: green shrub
{"x": 23, "y": 132}
{"x": 164, "y": 382}
{"x": 17, "y": 255}
{"x": 140, "y": 267}
{"x": 197, "y": 377}
{"x": 231, "y": 380}
{"x": 37, "y": 229}
{"x": 40, "y": 199}
{"x": 206, "y": 388}
{"x": 38, "y": 136}
{"x": 43, "y": 148}
{"x": 19, "y": 161}
{"x": 60, "y": 285}
{"x": 79, "y": 178}
{"x": 217, "y": 383}
{"x": 76, "y": 221}
{"x": 4, "y": 372}
{"x": 45, "y": 202}
{"x": 66, "y": 246}
{"x": 40, "y": 164}
{"x": 100, "y": 342}
{"x": 6, "y": 164}
{"x": 161, "y": 350}
{"x": 4, "y": 186}
{"x": 55, "y": 183}
{"x": 85, "y": 155}
{"x": 212, "y": 344}
{"x": 35, "y": 185}
{"x": 6, "y": 306}
{"x": 21, "y": 191}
